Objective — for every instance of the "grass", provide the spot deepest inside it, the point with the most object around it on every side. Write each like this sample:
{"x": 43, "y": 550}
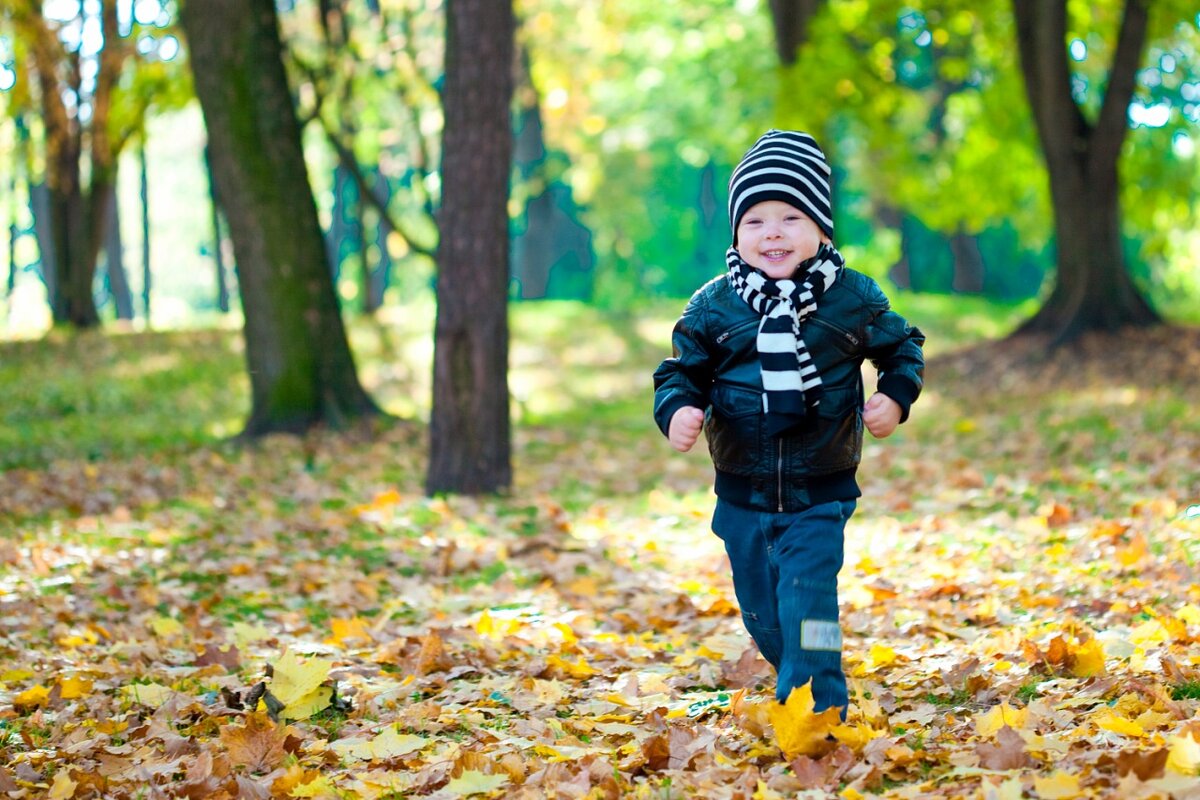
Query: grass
{"x": 101, "y": 395}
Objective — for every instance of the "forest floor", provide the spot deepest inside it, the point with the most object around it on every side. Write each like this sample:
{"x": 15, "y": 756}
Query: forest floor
{"x": 183, "y": 616}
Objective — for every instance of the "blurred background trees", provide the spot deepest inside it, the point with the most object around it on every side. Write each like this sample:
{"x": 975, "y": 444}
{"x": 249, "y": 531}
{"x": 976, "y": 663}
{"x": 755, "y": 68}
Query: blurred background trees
{"x": 627, "y": 119}
{"x": 1040, "y": 153}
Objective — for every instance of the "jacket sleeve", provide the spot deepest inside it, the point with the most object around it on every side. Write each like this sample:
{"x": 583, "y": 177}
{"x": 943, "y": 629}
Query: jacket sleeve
{"x": 686, "y": 378}
{"x": 894, "y": 348}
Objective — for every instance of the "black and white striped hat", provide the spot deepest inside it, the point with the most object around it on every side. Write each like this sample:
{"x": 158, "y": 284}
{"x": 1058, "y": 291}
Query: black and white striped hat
{"x": 787, "y": 166}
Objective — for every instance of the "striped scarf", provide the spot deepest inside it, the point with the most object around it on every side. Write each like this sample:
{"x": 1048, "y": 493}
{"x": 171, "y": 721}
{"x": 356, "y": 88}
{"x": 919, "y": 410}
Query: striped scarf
{"x": 791, "y": 386}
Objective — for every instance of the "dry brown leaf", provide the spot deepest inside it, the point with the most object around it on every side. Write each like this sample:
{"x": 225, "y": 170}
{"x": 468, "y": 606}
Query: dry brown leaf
{"x": 1007, "y": 753}
{"x": 257, "y": 745}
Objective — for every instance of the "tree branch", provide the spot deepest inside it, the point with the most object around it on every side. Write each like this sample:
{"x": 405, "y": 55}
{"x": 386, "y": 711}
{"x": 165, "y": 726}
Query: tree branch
{"x": 1113, "y": 122}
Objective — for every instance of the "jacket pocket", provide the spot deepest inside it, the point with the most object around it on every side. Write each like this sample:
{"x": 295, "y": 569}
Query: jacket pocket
{"x": 835, "y": 443}
{"x": 733, "y": 428}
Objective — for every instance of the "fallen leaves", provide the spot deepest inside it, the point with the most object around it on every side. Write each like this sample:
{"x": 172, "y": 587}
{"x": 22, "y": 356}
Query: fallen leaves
{"x": 295, "y": 620}
{"x": 799, "y": 730}
{"x": 257, "y": 744}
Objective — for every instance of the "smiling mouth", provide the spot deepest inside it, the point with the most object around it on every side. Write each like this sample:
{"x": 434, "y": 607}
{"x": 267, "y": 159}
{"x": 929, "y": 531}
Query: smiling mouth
{"x": 776, "y": 253}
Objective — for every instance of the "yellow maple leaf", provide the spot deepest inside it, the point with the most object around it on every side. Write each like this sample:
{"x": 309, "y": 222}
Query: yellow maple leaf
{"x": 856, "y": 737}
{"x": 986, "y": 725}
{"x": 1109, "y": 721}
{"x": 1183, "y": 755}
{"x": 33, "y": 696}
{"x": 390, "y": 743}
{"x": 474, "y": 782}
{"x": 321, "y": 787}
{"x": 78, "y": 640}
{"x": 148, "y": 694}
{"x": 1057, "y": 786}
{"x": 1087, "y": 659}
{"x": 494, "y": 628}
{"x": 882, "y": 655}
{"x": 798, "y": 729}
{"x": 354, "y": 628}
{"x": 63, "y": 787}
{"x": 1189, "y": 614}
{"x": 74, "y": 688}
{"x": 294, "y": 678}
{"x": 1150, "y": 632}
{"x": 578, "y": 669}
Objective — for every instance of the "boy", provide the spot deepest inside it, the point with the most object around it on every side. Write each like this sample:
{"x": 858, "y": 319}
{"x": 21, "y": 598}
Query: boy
{"x": 767, "y": 358}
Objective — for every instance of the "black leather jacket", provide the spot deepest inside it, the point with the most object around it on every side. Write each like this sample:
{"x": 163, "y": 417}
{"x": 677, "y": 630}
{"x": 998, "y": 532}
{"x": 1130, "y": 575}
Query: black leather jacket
{"x": 715, "y": 367}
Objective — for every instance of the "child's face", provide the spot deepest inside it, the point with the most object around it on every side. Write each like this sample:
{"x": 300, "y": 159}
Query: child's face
{"x": 776, "y": 237}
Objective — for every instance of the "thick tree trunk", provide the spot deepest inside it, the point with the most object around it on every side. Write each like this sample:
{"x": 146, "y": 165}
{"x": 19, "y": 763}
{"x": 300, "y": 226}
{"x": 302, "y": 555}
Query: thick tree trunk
{"x": 76, "y": 246}
{"x": 214, "y": 206}
{"x": 1093, "y": 289}
{"x": 301, "y": 369}
{"x": 470, "y": 438}
{"x": 791, "y": 19}
{"x": 76, "y": 213}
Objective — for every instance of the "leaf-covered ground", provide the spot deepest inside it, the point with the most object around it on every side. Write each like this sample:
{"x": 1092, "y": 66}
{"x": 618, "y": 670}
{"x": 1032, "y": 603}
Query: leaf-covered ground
{"x": 1021, "y": 599}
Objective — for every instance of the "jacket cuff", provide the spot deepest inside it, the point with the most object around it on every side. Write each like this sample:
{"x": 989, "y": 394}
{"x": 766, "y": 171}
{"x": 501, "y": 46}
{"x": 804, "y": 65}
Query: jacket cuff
{"x": 900, "y": 389}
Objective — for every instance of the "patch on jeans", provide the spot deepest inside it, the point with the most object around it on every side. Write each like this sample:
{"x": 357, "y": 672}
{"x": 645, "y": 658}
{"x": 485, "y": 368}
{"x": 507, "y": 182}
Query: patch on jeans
{"x": 820, "y": 634}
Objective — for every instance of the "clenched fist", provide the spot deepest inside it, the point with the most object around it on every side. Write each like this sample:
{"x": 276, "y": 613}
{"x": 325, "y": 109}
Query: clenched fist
{"x": 685, "y": 428}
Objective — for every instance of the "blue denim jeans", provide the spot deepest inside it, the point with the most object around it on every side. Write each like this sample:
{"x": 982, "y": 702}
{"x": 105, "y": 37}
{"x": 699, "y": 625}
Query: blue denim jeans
{"x": 785, "y": 568}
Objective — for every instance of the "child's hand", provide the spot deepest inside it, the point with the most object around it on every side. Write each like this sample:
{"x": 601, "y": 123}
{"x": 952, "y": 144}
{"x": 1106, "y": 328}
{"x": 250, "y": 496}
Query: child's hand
{"x": 881, "y": 415}
{"x": 685, "y": 428}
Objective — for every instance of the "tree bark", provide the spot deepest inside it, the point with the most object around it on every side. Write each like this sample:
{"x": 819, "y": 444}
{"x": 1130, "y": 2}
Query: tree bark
{"x": 1093, "y": 289}
{"x": 144, "y": 196}
{"x": 791, "y": 19}
{"x": 301, "y": 368}
{"x": 114, "y": 256}
{"x": 470, "y": 438}
{"x": 218, "y": 243}
{"x": 76, "y": 213}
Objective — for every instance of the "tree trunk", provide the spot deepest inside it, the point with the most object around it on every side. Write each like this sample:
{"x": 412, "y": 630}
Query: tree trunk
{"x": 791, "y": 19}
{"x": 114, "y": 257}
{"x": 144, "y": 195}
{"x": 75, "y": 235}
{"x": 214, "y": 205}
{"x": 377, "y": 276}
{"x": 302, "y": 372}
{"x": 10, "y": 283}
{"x": 77, "y": 213}
{"x": 39, "y": 209}
{"x": 1093, "y": 289}
{"x": 470, "y": 439}
{"x": 968, "y": 263}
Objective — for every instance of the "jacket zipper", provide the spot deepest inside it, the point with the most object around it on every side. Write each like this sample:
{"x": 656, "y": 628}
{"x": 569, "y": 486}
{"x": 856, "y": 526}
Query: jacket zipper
{"x": 779, "y": 476}
{"x": 847, "y": 335}
{"x": 735, "y": 329}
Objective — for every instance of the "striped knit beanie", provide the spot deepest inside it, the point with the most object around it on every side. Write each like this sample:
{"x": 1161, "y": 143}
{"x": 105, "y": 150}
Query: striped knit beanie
{"x": 787, "y": 166}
